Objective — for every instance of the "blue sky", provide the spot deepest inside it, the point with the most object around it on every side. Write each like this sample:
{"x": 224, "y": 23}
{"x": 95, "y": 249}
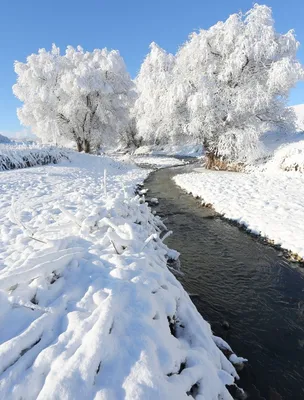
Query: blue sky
{"x": 129, "y": 26}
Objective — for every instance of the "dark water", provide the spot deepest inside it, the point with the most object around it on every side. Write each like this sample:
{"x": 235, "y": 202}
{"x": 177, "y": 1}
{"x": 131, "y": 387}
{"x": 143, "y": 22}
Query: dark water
{"x": 238, "y": 279}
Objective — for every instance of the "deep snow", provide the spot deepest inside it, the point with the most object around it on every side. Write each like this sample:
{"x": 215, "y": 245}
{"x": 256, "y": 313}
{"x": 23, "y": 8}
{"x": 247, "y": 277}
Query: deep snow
{"x": 89, "y": 308}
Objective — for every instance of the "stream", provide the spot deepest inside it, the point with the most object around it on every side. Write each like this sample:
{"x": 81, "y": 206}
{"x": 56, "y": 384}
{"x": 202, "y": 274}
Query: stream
{"x": 235, "y": 277}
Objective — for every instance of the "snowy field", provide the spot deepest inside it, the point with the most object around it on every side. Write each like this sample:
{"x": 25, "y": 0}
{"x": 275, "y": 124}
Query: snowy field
{"x": 89, "y": 309}
{"x": 267, "y": 203}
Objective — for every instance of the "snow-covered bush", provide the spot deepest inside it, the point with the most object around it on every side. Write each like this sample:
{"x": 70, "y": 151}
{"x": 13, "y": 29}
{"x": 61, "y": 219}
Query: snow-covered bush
{"x": 12, "y": 157}
{"x": 288, "y": 157}
{"x": 153, "y": 122}
{"x": 79, "y": 96}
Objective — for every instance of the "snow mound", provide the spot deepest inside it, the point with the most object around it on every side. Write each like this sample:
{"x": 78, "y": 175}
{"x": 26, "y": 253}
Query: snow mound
{"x": 22, "y": 156}
{"x": 299, "y": 111}
{"x": 89, "y": 308}
{"x": 289, "y": 157}
{"x": 283, "y": 151}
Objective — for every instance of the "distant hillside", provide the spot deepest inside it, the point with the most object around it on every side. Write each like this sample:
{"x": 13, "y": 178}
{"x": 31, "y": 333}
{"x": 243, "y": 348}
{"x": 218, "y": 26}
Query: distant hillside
{"x": 299, "y": 110}
{"x": 4, "y": 139}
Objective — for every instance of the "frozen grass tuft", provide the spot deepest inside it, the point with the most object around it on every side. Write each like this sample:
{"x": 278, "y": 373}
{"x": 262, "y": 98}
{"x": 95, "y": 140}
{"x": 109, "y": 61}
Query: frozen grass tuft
{"x": 22, "y": 156}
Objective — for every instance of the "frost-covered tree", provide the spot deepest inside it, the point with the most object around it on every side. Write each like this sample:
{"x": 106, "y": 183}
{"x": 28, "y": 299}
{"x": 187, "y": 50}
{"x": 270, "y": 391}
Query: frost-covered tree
{"x": 151, "y": 107}
{"x": 79, "y": 96}
{"x": 236, "y": 77}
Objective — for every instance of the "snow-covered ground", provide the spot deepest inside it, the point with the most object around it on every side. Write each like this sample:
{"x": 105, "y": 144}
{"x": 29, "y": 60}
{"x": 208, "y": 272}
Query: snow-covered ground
{"x": 158, "y": 162}
{"x": 268, "y": 203}
{"x": 299, "y": 110}
{"x": 190, "y": 150}
{"x": 89, "y": 309}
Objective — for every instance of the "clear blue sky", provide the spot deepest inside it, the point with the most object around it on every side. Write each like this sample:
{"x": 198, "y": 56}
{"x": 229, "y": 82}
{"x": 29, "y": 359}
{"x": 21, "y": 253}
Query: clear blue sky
{"x": 127, "y": 25}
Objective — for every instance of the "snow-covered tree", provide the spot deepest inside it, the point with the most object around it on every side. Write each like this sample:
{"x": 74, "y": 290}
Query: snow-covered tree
{"x": 79, "y": 96}
{"x": 151, "y": 107}
{"x": 236, "y": 77}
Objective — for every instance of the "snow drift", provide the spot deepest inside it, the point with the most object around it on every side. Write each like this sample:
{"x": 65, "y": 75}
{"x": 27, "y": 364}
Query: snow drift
{"x": 288, "y": 157}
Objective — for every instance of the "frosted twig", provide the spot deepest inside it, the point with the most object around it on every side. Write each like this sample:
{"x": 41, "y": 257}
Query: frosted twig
{"x": 176, "y": 271}
{"x": 124, "y": 190}
{"x": 166, "y": 235}
{"x": 69, "y": 215}
{"x": 105, "y": 182}
{"x": 21, "y": 225}
{"x": 153, "y": 236}
{"x": 113, "y": 244}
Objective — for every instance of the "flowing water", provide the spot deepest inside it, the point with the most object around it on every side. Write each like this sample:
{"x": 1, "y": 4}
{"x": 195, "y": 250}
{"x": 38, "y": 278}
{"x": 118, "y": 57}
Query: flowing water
{"x": 236, "y": 278}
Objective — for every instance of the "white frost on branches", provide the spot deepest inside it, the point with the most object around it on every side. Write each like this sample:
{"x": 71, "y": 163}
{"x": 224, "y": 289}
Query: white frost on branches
{"x": 80, "y": 96}
{"x": 152, "y": 83}
{"x": 225, "y": 86}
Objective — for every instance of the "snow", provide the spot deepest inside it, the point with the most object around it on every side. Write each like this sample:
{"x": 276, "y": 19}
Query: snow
{"x": 268, "y": 203}
{"x": 158, "y": 162}
{"x": 288, "y": 157}
{"x": 89, "y": 308}
{"x": 154, "y": 201}
{"x": 299, "y": 110}
{"x": 186, "y": 150}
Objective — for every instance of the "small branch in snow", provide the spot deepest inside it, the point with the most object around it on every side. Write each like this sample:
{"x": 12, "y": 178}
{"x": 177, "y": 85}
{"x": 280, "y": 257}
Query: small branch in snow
{"x": 175, "y": 271}
{"x": 113, "y": 244}
{"x": 105, "y": 182}
{"x": 169, "y": 233}
{"x": 151, "y": 237}
{"x": 69, "y": 215}
{"x": 21, "y": 225}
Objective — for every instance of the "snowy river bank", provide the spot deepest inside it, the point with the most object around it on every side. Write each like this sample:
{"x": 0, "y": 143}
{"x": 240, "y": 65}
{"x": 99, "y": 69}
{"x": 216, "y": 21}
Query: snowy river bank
{"x": 89, "y": 308}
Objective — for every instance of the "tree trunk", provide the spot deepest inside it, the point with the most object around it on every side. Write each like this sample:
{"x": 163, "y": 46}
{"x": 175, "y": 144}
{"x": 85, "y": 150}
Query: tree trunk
{"x": 219, "y": 163}
{"x": 79, "y": 146}
{"x": 87, "y": 146}
{"x": 213, "y": 161}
